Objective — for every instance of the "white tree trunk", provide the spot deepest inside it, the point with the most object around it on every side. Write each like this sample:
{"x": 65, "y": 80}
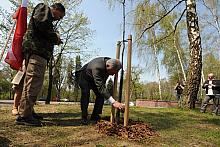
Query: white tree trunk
{"x": 195, "y": 65}
{"x": 157, "y": 63}
{"x": 176, "y": 46}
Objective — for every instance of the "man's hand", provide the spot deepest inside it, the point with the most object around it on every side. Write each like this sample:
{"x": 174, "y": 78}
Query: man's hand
{"x": 118, "y": 105}
{"x": 59, "y": 41}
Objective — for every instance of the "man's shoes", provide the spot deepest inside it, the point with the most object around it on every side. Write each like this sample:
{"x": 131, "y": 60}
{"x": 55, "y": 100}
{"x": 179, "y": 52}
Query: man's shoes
{"x": 202, "y": 111}
{"x": 28, "y": 121}
{"x": 84, "y": 122}
{"x": 214, "y": 114}
{"x": 95, "y": 117}
{"x": 14, "y": 111}
{"x": 36, "y": 116}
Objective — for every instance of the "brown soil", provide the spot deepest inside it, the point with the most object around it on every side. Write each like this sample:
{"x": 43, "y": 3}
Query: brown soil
{"x": 136, "y": 130}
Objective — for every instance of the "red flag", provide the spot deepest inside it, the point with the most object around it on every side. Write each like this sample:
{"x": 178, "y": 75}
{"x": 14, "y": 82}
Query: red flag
{"x": 14, "y": 55}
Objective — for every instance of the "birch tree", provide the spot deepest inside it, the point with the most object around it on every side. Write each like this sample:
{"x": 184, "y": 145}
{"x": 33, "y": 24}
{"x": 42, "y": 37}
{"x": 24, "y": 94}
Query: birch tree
{"x": 195, "y": 63}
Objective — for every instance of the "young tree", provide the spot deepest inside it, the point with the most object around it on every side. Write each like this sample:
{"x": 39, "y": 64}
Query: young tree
{"x": 136, "y": 86}
{"x": 76, "y": 86}
{"x": 69, "y": 79}
{"x": 110, "y": 85}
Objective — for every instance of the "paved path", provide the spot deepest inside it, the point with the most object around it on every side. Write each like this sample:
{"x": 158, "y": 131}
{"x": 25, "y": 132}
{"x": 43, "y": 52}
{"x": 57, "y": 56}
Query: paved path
{"x": 10, "y": 102}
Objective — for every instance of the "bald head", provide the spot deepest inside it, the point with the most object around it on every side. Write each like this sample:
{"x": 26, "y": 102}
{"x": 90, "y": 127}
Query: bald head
{"x": 210, "y": 76}
{"x": 113, "y": 66}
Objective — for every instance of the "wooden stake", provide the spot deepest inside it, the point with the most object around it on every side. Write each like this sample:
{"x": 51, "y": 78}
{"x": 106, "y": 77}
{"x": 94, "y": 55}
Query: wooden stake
{"x": 115, "y": 83}
{"x": 128, "y": 79}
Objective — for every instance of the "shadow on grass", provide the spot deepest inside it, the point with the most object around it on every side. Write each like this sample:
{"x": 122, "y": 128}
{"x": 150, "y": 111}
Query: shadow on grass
{"x": 61, "y": 119}
{"x": 60, "y": 122}
{"x": 214, "y": 121}
{"x": 60, "y": 115}
{"x": 4, "y": 142}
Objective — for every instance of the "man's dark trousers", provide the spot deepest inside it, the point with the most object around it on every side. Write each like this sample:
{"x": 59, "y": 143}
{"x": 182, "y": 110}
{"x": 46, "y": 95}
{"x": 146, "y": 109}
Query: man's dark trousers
{"x": 86, "y": 86}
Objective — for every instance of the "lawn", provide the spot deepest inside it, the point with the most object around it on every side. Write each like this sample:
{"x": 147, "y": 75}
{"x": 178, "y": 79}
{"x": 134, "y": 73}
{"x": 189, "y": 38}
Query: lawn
{"x": 62, "y": 127}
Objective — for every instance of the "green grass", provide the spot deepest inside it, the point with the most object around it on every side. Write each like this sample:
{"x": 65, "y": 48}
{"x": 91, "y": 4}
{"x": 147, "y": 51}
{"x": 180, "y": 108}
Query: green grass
{"x": 175, "y": 127}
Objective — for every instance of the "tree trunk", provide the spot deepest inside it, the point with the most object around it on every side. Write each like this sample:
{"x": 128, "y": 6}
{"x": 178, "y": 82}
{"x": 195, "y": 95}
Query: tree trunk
{"x": 195, "y": 65}
{"x": 50, "y": 84}
{"x": 156, "y": 62}
{"x": 177, "y": 47}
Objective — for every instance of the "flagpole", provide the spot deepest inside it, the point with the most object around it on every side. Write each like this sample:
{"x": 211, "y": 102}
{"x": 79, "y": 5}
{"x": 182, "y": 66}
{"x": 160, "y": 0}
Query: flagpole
{"x": 6, "y": 43}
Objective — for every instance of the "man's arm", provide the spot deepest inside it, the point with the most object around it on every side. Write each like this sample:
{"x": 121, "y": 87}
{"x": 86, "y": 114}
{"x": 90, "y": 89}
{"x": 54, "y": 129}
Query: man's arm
{"x": 100, "y": 84}
{"x": 99, "y": 80}
{"x": 175, "y": 88}
{"x": 182, "y": 86}
{"x": 205, "y": 85}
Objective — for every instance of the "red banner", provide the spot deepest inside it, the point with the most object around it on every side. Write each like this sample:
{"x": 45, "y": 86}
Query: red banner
{"x": 14, "y": 55}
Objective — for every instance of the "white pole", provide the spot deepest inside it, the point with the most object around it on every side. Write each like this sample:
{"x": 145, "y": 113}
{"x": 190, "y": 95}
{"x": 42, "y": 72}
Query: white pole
{"x": 6, "y": 43}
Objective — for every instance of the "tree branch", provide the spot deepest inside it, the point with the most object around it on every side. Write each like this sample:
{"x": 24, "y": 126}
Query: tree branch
{"x": 208, "y": 8}
{"x": 173, "y": 32}
{"x": 153, "y": 24}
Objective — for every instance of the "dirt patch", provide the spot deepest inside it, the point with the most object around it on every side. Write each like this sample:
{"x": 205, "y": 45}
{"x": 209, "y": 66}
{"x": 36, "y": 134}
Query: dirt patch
{"x": 136, "y": 130}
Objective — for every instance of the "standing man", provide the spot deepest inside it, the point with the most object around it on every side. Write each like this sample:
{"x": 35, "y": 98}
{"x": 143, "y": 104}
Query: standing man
{"x": 179, "y": 90}
{"x": 210, "y": 94}
{"x": 38, "y": 45}
{"x": 93, "y": 76}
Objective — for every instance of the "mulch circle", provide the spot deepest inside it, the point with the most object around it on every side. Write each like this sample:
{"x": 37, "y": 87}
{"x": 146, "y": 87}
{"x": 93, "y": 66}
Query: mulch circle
{"x": 136, "y": 130}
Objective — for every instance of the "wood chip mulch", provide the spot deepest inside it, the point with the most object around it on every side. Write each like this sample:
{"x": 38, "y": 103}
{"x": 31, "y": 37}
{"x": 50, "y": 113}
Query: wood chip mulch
{"x": 136, "y": 130}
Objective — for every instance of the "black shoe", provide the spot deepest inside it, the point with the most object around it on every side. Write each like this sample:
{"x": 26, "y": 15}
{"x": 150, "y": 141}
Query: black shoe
{"x": 95, "y": 118}
{"x": 202, "y": 111}
{"x": 214, "y": 114}
{"x": 28, "y": 121}
{"x": 84, "y": 122}
{"x": 36, "y": 116}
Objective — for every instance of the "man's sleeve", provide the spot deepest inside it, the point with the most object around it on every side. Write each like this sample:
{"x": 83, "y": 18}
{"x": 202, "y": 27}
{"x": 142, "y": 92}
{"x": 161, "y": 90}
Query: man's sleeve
{"x": 43, "y": 23}
{"x": 100, "y": 83}
{"x": 205, "y": 84}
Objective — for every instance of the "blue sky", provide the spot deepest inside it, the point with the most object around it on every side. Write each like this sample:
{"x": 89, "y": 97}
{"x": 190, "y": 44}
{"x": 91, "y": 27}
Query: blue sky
{"x": 106, "y": 23}
{"x": 108, "y": 30}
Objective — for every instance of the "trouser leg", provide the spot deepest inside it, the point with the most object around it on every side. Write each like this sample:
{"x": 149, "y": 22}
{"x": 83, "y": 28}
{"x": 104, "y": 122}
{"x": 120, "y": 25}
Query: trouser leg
{"x": 33, "y": 82}
{"x": 205, "y": 103}
{"x": 99, "y": 102}
{"x": 85, "y": 94}
{"x": 180, "y": 101}
{"x": 215, "y": 105}
{"x": 177, "y": 97}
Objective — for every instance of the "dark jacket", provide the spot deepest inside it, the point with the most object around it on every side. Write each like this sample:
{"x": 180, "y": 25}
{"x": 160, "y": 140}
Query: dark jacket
{"x": 215, "y": 87}
{"x": 179, "y": 89}
{"x": 40, "y": 37}
{"x": 96, "y": 74}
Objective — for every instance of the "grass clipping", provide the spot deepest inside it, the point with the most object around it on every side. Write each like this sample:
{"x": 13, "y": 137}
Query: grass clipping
{"x": 136, "y": 130}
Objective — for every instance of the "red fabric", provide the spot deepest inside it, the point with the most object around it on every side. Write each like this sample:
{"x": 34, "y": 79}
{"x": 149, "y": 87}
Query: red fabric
{"x": 14, "y": 55}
